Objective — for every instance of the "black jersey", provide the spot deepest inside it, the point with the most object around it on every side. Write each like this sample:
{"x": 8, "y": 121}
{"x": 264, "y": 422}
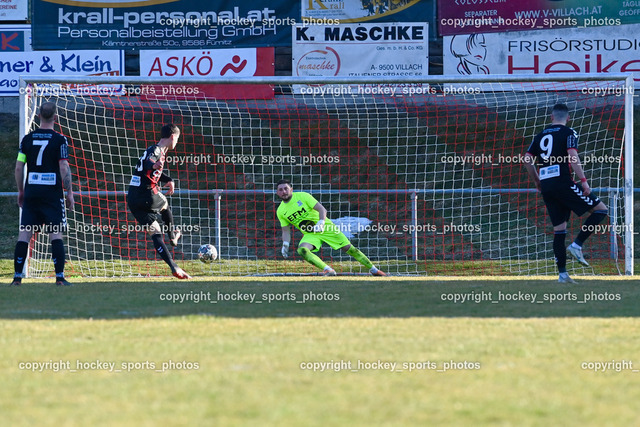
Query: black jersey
{"x": 145, "y": 178}
{"x": 550, "y": 149}
{"x": 43, "y": 149}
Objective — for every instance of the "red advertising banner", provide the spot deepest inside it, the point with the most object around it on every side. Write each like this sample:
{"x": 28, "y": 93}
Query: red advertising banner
{"x": 208, "y": 65}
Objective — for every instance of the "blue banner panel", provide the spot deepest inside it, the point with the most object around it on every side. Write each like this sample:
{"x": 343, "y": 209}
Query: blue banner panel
{"x": 162, "y": 24}
{"x": 15, "y": 38}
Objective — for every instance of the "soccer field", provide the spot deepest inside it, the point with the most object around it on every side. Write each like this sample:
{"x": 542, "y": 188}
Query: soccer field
{"x": 337, "y": 351}
{"x": 419, "y": 158}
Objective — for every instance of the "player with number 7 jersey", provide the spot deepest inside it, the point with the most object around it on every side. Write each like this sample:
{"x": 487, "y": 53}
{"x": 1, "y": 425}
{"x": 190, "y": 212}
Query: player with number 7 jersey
{"x": 44, "y": 153}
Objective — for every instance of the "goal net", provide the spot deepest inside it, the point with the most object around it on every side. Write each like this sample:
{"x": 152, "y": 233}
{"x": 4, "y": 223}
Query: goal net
{"x": 423, "y": 176}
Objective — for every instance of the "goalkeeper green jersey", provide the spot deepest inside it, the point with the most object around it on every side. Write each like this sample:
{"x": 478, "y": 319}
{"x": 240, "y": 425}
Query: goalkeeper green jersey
{"x": 299, "y": 212}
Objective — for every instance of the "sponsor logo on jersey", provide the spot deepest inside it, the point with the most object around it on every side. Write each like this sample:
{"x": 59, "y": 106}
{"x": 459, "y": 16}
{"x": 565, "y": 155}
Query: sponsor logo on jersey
{"x": 302, "y": 212}
{"x": 550, "y": 172}
{"x": 36, "y": 178}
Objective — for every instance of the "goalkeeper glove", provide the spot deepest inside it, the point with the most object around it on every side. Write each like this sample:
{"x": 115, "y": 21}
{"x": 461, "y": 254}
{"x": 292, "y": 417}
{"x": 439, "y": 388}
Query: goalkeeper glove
{"x": 319, "y": 227}
{"x": 285, "y": 249}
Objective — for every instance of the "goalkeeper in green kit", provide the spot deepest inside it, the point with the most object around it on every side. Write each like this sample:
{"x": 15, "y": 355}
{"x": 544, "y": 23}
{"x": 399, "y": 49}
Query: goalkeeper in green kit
{"x": 310, "y": 217}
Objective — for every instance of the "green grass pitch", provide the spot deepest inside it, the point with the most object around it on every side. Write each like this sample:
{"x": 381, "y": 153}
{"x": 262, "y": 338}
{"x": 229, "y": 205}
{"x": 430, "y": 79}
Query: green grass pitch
{"x": 335, "y": 351}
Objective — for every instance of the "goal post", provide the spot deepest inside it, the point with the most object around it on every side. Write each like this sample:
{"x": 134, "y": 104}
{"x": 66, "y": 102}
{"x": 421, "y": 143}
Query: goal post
{"x": 424, "y": 175}
{"x": 627, "y": 179}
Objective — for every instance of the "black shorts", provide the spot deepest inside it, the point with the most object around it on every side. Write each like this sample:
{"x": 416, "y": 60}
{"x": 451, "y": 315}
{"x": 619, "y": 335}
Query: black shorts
{"x": 146, "y": 207}
{"x": 563, "y": 198}
{"x": 44, "y": 215}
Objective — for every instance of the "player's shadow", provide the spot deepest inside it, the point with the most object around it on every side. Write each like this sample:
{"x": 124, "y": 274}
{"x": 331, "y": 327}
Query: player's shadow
{"x": 331, "y": 298}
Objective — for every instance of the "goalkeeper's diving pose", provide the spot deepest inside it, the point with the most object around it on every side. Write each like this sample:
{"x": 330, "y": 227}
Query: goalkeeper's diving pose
{"x": 310, "y": 217}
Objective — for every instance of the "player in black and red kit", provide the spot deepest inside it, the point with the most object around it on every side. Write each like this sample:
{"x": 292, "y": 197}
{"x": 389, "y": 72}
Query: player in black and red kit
{"x": 41, "y": 196}
{"x": 555, "y": 152}
{"x": 148, "y": 204}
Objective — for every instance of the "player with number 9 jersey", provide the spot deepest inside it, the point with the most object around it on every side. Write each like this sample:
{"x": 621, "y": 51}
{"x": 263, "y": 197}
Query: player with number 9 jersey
{"x": 146, "y": 177}
{"x": 147, "y": 203}
{"x": 555, "y": 152}
{"x": 551, "y": 148}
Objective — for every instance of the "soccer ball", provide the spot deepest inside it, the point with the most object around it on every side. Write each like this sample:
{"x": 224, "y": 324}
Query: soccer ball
{"x": 207, "y": 253}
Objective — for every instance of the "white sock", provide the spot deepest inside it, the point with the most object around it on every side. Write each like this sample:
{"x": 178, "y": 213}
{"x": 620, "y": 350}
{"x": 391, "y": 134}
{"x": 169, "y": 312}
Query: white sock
{"x": 575, "y": 245}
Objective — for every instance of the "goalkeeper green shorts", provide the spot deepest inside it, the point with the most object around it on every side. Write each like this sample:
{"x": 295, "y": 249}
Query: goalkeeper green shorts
{"x": 331, "y": 236}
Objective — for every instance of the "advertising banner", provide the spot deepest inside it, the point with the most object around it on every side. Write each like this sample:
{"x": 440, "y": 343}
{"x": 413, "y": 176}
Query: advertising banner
{"x": 571, "y": 50}
{"x": 346, "y": 11}
{"x": 161, "y": 24}
{"x": 474, "y": 16}
{"x": 335, "y": 12}
{"x": 381, "y": 50}
{"x": 17, "y": 59}
{"x": 14, "y": 10}
{"x": 15, "y": 38}
{"x": 209, "y": 64}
